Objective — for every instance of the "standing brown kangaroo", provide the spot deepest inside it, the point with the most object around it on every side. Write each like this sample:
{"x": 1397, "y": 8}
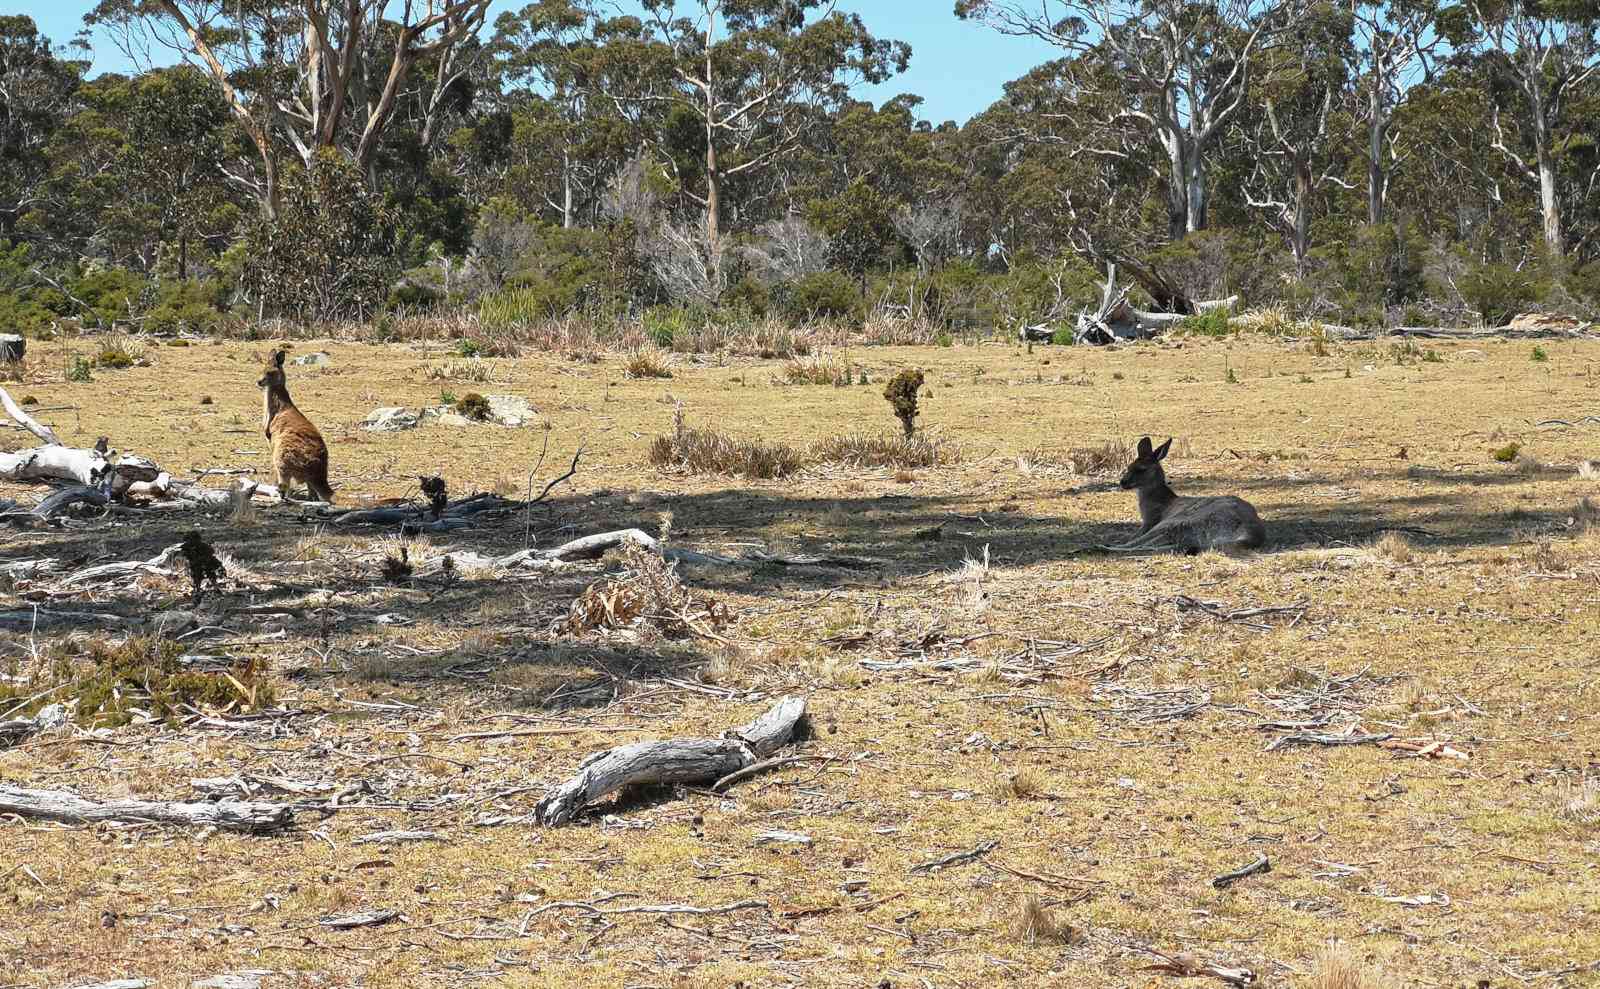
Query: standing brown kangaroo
{"x": 298, "y": 453}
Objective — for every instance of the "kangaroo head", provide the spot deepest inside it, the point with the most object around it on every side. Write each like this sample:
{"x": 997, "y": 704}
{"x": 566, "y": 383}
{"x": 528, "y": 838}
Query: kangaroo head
{"x": 273, "y": 376}
{"x": 1145, "y": 471}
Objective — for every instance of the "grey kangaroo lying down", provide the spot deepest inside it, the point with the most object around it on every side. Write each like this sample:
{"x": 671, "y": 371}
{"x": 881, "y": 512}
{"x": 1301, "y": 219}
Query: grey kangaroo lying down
{"x": 1185, "y": 525}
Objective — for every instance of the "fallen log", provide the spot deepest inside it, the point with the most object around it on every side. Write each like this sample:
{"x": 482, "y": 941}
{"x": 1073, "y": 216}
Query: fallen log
{"x": 674, "y": 760}
{"x": 89, "y": 468}
{"x": 229, "y": 815}
{"x": 22, "y": 418}
{"x": 28, "y": 619}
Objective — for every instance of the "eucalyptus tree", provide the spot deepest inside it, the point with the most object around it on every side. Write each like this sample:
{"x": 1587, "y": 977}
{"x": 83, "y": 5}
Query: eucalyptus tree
{"x": 1547, "y": 54}
{"x": 1173, "y": 73}
{"x": 745, "y": 80}
{"x": 314, "y": 74}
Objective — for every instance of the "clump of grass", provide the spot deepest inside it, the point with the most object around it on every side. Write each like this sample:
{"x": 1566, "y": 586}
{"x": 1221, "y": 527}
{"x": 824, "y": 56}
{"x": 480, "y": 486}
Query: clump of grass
{"x": 1394, "y": 547}
{"x": 178, "y": 342}
{"x": 1037, "y": 924}
{"x": 646, "y": 364}
{"x": 1529, "y": 466}
{"x": 79, "y": 368}
{"x": 1337, "y": 968}
{"x": 1547, "y": 557}
{"x": 1506, "y": 454}
{"x": 1584, "y": 516}
{"x": 396, "y": 567}
{"x": 818, "y": 369}
{"x": 119, "y": 352}
{"x": 468, "y": 369}
{"x": 469, "y": 348}
{"x": 1016, "y": 784}
{"x": 1213, "y": 323}
{"x": 1431, "y": 356}
{"x": 1580, "y": 802}
{"x": 112, "y": 683}
{"x": 1589, "y": 470}
{"x": 706, "y": 451}
{"x": 901, "y": 394}
{"x": 1062, "y": 336}
{"x": 1539, "y": 355}
{"x": 878, "y": 450}
{"x": 1112, "y": 455}
{"x": 474, "y": 406}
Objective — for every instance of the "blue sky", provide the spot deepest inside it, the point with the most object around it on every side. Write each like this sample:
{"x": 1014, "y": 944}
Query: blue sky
{"x": 957, "y": 66}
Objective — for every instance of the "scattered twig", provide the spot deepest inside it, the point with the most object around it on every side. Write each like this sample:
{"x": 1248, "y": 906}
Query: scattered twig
{"x": 1261, "y": 864}
{"x": 983, "y": 848}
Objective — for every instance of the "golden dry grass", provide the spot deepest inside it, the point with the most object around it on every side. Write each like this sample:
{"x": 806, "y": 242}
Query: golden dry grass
{"x": 1130, "y": 722}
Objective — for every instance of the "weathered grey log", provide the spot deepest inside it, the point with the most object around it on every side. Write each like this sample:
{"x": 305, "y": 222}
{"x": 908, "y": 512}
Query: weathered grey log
{"x": 27, "y": 619}
{"x": 90, "y": 468}
{"x": 675, "y": 760}
{"x": 12, "y": 347}
{"x": 26, "y": 421}
{"x": 61, "y": 805}
{"x": 120, "y": 571}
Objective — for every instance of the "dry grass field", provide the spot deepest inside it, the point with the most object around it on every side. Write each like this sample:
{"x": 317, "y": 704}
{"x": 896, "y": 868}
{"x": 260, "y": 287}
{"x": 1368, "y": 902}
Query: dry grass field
{"x": 1103, "y": 720}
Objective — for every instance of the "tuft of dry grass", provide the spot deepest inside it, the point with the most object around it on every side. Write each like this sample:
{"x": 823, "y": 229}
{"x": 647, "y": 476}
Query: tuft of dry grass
{"x": 644, "y": 364}
{"x": 823, "y": 368}
{"x": 706, "y": 451}
{"x": 1394, "y": 547}
{"x": 1037, "y": 924}
{"x": 1016, "y": 784}
{"x": 1109, "y": 457}
{"x": 1589, "y": 470}
{"x": 1338, "y": 968}
{"x": 880, "y": 450}
{"x": 465, "y": 369}
{"x": 1580, "y": 802}
{"x": 1529, "y": 466}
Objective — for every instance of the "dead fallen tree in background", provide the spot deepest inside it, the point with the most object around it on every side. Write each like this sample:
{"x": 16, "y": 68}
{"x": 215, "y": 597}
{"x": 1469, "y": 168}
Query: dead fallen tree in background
{"x": 1116, "y": 318}
{"x": 61, "y": 805}
{"x": 673, "y": 760}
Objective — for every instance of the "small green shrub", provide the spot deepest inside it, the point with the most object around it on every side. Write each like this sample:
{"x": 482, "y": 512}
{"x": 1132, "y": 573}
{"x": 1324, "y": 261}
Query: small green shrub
{"x": 1539, "y": 355}
{"x": 1062, "y": 336}
{"x": 1213, "y": 323}
{"x": 666, "y": 326}
{"x": 118, "y": 352}
{"x": 1431, "y": 356}
{"x": 944, "y": 339}
{"x": 1506, "y": 454}
{"x": 468, "y": 347}
{"x": 79, "y": 368}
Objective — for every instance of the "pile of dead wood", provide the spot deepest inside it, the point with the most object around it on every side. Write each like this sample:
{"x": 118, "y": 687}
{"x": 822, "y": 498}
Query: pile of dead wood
{"x": 1116, "y": 318}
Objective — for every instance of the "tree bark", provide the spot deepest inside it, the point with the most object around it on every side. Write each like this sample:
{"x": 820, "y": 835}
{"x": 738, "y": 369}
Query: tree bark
{"x": 61, "y": 805}
{"x": 679, "y": 760}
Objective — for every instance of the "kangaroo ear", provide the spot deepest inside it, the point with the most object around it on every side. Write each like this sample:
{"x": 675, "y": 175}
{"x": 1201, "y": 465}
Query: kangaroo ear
{"x": 277, "y": 359}
{"x": 1161, "y": 451}
{"x": 1144, "y": 447}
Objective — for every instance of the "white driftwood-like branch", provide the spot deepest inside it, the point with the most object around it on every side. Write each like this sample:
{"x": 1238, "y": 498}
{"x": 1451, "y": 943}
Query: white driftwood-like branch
{"x": 26, "y": 421}
{"x": 674, "y": 760}
{"x": 61, "y": 805}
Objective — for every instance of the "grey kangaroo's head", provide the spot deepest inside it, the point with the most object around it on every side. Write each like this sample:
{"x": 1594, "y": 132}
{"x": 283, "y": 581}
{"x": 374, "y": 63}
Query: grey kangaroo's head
{"x": 1145, "y": 471}
{"x": 273, "y": 376}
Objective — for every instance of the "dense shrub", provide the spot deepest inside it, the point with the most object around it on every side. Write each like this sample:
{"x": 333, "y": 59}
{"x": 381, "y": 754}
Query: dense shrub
{"x": 824, "y": 295}
{"x": 1499, "y": 291}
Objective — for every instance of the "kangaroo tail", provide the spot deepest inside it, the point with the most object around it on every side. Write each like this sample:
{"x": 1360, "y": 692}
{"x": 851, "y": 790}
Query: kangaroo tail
{"x": 319, "y": 485}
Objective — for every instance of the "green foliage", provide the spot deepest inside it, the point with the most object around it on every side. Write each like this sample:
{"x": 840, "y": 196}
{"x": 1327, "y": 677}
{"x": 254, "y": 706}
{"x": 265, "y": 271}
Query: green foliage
{"x": 1539, "y": 355}
{"x": 1506, "y": 454}
{"x": 822, "y": 295}
{"x": 468, "y": 347}
{"x": 108, "y": 295}
{"x": 1062, "y": 336}
{"x": 79, "y": 368}
{"x": 1499, "y": 291}
{"x": 944, "y": 339}
{"x": 1213, "y": 323}
{"x": 1370, "y": 270}
{"x": 330, "y": 252}
{"x": 748, "y": 295}
{"x": 192, "y": 305}
{"x": 667, "y": 325}
{"x": 118, "y": 352}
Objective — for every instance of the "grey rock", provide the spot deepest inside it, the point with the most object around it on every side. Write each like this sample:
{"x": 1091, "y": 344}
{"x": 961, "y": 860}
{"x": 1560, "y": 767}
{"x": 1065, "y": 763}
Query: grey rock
{"x": 390, "y": 420}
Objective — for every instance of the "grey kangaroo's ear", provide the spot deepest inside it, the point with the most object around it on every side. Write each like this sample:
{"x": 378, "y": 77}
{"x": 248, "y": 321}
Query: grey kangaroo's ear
{"x": 1144, "y": 447}
{"x": 277, "y": 358}
{"x": 1161, "y": 451}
